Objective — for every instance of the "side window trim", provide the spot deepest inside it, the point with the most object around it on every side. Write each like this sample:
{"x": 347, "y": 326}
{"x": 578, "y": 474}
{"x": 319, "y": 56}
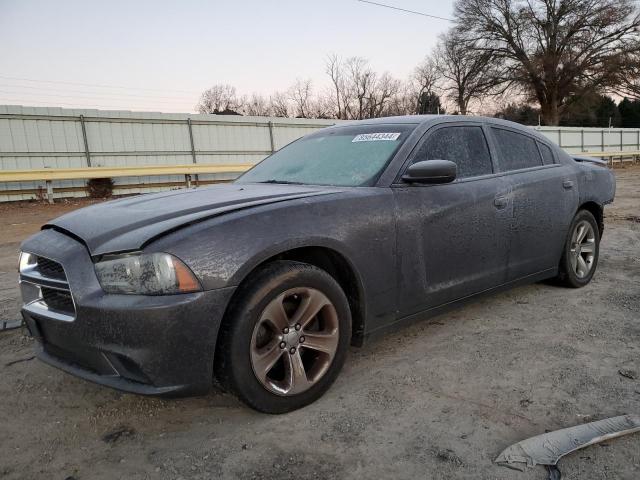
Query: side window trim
{"x": 496, "y": 126}
{"x": 425, "y": 137}
{"x": 493, "y": 150}
{"x": 551, "y": 150}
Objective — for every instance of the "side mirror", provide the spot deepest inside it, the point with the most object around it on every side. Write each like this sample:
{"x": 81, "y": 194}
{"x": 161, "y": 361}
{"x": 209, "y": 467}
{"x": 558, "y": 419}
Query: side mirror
{"x": 431, "y": 171}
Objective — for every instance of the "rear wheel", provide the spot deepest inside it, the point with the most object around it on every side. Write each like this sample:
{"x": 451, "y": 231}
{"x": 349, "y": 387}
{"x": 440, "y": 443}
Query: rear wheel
{"x": 581, "y": 250}
{"x": 285, "y": 338}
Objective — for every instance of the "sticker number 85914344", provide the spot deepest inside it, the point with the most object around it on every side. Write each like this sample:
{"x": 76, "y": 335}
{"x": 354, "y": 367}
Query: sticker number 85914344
{"x": 375, "y": 137}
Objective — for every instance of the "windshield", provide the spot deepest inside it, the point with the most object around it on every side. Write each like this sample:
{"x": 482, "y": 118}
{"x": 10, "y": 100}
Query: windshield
{"x": 343, "y": 156}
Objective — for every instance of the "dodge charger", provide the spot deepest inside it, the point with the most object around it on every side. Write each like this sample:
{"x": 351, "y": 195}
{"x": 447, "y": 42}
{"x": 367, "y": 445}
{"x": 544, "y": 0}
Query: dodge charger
{"x": 261, "y": 285}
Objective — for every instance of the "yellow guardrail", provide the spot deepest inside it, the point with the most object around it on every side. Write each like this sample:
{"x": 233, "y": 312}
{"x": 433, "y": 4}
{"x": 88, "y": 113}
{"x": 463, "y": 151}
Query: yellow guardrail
{"x": 617, "y": 153}
{"x": 632, "y": 155}
{"x": 49, "y": 174}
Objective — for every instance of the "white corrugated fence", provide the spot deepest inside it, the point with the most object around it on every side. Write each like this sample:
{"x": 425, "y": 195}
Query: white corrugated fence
{"x": 38, "y": 137}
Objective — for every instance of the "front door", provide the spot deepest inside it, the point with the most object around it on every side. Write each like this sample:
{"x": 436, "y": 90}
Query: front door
{"x": 452, "y": 238}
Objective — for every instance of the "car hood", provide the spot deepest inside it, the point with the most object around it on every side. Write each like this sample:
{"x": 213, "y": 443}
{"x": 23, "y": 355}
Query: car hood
{"x": 129, "y": 224}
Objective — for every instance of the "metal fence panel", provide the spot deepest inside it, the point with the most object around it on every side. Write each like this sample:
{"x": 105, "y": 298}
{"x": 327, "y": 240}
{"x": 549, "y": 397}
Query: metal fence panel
{"x": 121, "y": 138}
{"x": 576, "y": 139}
{"x": 42, "y": 137}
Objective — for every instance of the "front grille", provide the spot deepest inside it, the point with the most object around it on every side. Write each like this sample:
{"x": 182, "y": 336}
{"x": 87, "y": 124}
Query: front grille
{"x": 58, "y": 300}
{"x": 45, "y": 290}
{"x": 49, "y": 268}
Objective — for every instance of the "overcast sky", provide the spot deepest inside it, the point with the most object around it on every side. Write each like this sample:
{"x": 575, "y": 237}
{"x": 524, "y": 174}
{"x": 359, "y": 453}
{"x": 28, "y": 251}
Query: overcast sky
{"x": 165, "y": 53}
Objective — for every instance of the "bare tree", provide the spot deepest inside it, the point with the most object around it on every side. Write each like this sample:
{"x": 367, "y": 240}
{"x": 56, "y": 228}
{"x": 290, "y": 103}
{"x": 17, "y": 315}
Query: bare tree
{"x": 630, "y": 77}
{"x": 333, "y": 68}
{"x": 383, "y": 89}
{"x": 257, "y": 106}
{"x": 555, "y": 49}
{"x": 404, "y": 101}
{"x": 360, "y": 79}
{"x": 358, "y": 92}
{"x": 468, "y": 74}
{"x": 425, "y": 80}
{"x": 279, "y": 104}
{"x": 219, "y": 99}
{"x": 301, "y": 95}
{"x": 321, "y": 106}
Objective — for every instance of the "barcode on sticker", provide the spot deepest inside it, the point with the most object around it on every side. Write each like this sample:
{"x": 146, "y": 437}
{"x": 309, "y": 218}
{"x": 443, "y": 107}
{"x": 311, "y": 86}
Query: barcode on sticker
{"x": 375, "y": 137}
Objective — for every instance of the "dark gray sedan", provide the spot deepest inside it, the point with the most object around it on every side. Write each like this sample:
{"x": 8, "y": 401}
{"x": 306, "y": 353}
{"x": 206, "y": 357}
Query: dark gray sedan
{"x": 262, "y": 284}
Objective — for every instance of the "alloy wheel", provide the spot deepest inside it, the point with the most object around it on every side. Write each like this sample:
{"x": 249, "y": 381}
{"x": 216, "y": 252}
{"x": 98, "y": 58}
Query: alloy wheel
{"x": 294, "y": 341}
{"x": 583, "y": 248}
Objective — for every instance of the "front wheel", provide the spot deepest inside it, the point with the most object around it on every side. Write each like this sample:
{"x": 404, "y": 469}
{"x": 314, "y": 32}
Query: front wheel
{"x": 581, "y": 250}
{"x": 285, "y": 338}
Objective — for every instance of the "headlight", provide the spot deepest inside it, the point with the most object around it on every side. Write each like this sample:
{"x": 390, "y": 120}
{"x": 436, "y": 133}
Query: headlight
{"x": 26, "y": 261}
{"x": 146, "y": 274}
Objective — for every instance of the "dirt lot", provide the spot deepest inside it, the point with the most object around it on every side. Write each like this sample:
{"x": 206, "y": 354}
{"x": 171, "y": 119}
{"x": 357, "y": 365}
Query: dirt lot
{"x": 436, "y": 400}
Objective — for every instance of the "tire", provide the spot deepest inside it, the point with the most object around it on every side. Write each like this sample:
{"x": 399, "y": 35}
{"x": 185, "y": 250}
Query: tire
{"x": 249, "y": 330}
{"x": 568, "y": 274}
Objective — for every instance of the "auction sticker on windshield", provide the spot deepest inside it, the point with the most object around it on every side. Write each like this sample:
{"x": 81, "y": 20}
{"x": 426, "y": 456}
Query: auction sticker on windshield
{"x": 375, "y": 137}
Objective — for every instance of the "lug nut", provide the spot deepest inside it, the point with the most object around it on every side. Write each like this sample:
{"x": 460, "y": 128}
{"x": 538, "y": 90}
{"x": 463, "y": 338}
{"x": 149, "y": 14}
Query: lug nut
{"x": 282, "y": 344}
{"x": 298, "y": 327}
{"x": 301, "y": 340}
{"x": 285, "y": 330}
{"x": 292, "y": 350}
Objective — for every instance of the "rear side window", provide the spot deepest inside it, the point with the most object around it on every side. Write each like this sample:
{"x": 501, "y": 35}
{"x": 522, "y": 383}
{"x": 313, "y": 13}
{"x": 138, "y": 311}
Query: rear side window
{"x": 465, "y": 146}
{"x": 547, "y": 154}
{"x": 516, "y": 151}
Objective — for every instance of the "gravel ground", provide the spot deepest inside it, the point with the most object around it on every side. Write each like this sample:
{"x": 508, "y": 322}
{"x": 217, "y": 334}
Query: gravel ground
{"x": 435, "y": 400}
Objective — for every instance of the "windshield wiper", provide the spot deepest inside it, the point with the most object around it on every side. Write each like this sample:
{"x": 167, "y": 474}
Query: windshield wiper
{"x": 283, "y": 182}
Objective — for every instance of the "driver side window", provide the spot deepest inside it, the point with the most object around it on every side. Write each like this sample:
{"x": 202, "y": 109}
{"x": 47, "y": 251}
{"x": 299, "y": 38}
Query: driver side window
{"x": 465, "y": 146}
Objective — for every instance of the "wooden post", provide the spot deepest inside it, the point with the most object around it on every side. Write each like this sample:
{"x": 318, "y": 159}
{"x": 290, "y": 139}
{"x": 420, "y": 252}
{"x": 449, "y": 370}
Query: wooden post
{"x": 49, "y": 191}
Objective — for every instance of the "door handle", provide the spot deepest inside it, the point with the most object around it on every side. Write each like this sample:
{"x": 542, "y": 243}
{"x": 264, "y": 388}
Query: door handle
{"x": 568, "y": 184}
{"x": 500, "y": 202}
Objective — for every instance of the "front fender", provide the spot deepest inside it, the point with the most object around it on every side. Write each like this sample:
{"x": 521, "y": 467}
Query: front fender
{"x": 281, "y": 247}
{"x": 360, "y": 226}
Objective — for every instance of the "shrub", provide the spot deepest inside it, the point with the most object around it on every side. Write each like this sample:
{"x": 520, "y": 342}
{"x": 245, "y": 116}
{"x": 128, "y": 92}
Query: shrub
{"x": 100, "y": 187}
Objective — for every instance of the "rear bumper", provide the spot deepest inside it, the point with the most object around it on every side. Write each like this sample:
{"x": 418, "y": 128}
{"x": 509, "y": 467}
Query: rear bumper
{"x": 150, "y": 345}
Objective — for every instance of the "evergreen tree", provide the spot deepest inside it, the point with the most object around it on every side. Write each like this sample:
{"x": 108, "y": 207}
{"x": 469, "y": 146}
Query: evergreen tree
{"x": 430, "y": 104}
{"x": 629, "y": 113}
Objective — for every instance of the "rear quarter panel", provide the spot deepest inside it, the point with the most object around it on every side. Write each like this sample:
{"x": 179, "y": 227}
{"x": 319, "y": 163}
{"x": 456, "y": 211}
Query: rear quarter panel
{"x": 595, "y": 183}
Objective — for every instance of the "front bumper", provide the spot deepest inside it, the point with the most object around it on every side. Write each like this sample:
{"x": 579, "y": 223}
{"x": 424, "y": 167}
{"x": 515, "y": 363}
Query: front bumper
{"x": 152, "y": 345}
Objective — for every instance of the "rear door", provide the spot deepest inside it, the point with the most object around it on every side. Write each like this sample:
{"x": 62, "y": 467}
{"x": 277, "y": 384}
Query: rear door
{"x": 451, "y": 237}
{"x": 540, "y": 201}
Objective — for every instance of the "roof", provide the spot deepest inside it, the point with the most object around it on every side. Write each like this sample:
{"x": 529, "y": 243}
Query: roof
{"x": 423, "y": 119}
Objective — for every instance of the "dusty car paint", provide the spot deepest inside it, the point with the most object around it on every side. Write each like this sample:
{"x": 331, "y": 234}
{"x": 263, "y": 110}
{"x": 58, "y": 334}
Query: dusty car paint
{"x": 412, "y": 250}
